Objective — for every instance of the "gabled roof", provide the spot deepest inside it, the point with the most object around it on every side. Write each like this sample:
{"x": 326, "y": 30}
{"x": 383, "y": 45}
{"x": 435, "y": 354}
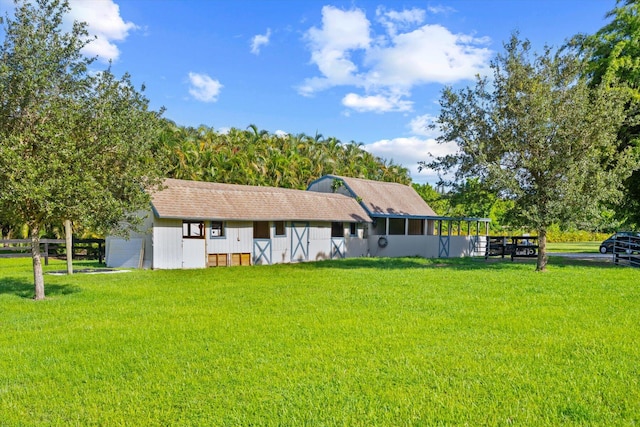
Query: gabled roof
{"x": 180, "y": 199}
{"x": 382, "y": 199}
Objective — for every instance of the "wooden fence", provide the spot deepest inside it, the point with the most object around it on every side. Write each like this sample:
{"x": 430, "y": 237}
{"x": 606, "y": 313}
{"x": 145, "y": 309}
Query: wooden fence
{"x": 56, "y": 248}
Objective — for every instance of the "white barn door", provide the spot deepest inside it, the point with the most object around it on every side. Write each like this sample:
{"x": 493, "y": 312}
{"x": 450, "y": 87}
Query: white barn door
{"x": 262, "y": 252}
{"x": 338, "y": 247}
{"x": 299, "y": 241}
{"x": 194, "y": 253}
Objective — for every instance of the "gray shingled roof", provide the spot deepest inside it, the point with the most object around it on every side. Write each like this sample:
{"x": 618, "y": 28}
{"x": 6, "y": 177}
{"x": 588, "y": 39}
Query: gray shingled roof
{"x": 387, "y": 198}
{"x": 181, "y": 199}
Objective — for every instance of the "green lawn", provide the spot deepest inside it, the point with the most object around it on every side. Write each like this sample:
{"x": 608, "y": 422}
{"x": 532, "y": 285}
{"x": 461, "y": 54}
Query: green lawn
{"x": 574, "y": 247}
{"x": 357, "y": 342}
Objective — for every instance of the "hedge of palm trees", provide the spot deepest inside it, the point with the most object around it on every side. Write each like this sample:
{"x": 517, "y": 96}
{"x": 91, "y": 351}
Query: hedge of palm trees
{"x": 257, "y": 157}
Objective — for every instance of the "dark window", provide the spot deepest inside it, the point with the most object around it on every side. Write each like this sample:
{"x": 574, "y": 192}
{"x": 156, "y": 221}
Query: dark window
{"x": 280, "y": 230}
{"x": 380, "y": 226}
{"x": 353, "y": 229}
{"x": 337, "y": 229}
{"x": 396, "y": 226}
{"x": 217, "y": 229}
{"x": 193, "y": 229}
{"x": 261, "y": 230}
{"x": 416, "y": 227}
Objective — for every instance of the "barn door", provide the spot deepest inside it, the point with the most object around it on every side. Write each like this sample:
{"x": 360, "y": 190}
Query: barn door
{"x": 299, "y": 241}
{"x": 194, "y": 253}
{"x": 337, "y": 247}
{"x": 444, "y": 240}
{"x": 262, "y": 251}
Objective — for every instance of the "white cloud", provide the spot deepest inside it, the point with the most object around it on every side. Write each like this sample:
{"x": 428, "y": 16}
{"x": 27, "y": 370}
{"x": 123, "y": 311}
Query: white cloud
{"x": 341, "y": 32}
{"x": 404, "y": 53}
{"x": 430, "y": 54}
{"x": 420, "y": 125}
{"x": 394, "y": 20}
{"x": 204, "y": 88}
{"x": 103, "y": 21}
{"x": 260, "y": 40}
{"x": 376, "y": 103}
{"x": 440, "y": 9}
{"x": 409, "y": 151}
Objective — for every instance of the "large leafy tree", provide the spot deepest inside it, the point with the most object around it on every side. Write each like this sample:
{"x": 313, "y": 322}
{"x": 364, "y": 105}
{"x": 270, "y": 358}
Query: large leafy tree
{"x": 538, "y": 134}
{"x": 74, "y": 145}
{"x": 613, "y": 59}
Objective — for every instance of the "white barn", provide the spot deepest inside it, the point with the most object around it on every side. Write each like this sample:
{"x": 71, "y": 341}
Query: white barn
{"x": 403, "y": 224}
{"x": 201, "y": 224}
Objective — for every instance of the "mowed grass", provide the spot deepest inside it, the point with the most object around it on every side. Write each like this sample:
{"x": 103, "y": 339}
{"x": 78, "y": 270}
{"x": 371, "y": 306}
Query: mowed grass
{"x": 356, "y": 342}
{"x": 574, "y": 247}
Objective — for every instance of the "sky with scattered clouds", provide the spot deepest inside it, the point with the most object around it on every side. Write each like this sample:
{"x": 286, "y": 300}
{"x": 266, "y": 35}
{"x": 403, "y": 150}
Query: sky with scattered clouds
{"x": 358, "y": 70}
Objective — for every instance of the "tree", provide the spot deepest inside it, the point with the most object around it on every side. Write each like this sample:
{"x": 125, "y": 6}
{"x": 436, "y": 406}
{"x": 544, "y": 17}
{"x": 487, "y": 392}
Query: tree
{"x": 436, "y": 200}
{"x": 612, "y": 56}
{"x": 538, "y": 135}
{"x": 74, "y": 145}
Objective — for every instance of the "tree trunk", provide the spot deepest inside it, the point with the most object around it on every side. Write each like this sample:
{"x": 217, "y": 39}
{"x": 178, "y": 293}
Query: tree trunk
{"x": 542, "y": 250}
{"x": 68, "y": 234}
{"x": 38, "y": 277}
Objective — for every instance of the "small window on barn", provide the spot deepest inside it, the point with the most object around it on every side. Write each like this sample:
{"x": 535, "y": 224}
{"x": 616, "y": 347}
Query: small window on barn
{"x": 337, "y": 229}
{"x": 193, "y": 229}
{"x": 380, "y": 226}
{"x": 280, "y": 229}
{"x": 396, "y": 226}
{"x": 217, "y": 229}
{"x": 261, "y": 230}
{"x": 416, "y": 227}
{"x": 353, "y": 229}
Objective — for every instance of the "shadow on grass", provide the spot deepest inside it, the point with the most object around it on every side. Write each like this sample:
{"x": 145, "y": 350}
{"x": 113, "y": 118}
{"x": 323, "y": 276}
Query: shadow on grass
{"x": 405, "y": 263}
{"x": 24, "y": 288}
{"x": 560, "y": 261}
{"x": 475, "y": 263}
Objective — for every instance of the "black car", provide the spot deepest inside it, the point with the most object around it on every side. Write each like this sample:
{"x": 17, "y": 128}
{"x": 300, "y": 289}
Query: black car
{"x": 622, "y": 237}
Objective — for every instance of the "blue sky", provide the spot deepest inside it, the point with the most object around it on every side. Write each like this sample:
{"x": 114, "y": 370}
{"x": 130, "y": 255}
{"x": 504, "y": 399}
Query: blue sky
{"x": 363, "y": 71}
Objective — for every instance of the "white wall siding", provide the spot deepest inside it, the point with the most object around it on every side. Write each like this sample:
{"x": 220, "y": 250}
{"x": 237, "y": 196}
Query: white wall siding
{"x": 423, "y": 246}
{"x": 123, "y": 253}
{"x": 281, "y": 246}
{"x": 167, "y": 244}
{"x": 356, "y": 247}
{"x": 126, "y": 252}
{"x": 319, "y": 241}
{"x": 401, "y": 246}
{"x": 238, "y": 238}
{"x": 194, "y": 253}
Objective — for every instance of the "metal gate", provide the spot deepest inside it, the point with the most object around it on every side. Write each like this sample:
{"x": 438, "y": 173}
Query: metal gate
{"x": 299, "y": 241}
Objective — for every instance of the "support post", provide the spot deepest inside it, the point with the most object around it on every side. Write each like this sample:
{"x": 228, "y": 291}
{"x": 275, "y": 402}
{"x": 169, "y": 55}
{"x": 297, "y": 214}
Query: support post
{"x": 68, "y": 234}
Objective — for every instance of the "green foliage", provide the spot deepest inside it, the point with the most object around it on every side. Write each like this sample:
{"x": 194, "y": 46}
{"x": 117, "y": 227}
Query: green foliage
{"x": 73, "y": 144}
{"x": 613, "y": 52}
{"x": 438, "y": 201}
{"x": 556, "y": 234}
{"x": 255, "y": 157}
{"x": 362, "y": 342}
{"x": 613, "y": 60}
{"x": 539, "y": 136}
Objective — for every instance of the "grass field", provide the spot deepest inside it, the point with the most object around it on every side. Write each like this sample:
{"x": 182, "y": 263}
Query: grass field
{"x": 574, "y": 247}
{"x": 356, "y": 342}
